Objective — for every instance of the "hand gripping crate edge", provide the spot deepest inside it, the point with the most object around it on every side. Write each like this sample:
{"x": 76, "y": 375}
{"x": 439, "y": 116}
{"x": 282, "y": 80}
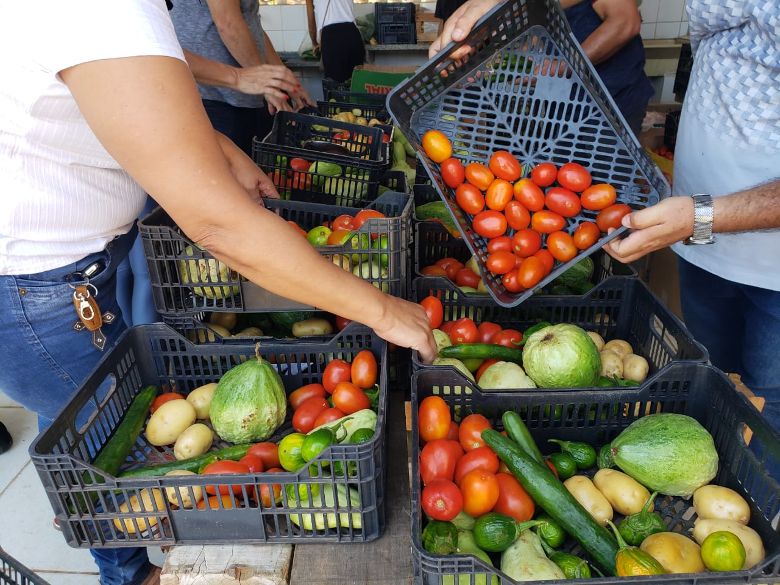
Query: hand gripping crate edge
{"x": 528, "y": 88}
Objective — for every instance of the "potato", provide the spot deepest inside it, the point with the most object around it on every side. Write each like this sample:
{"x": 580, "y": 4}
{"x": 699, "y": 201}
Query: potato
{"x": 754, "y": 548}
{"x": 200, "y": 398}
{"x": 626, "y": 495}
{"x": 226, "y": 320}
{"x": 311, "y": 327}
{"x": 597, "y": 339}
{"x": 601, "y": 318}
{"x": 186, "y": 497}
{"x": 716, "y": 502}
{"x": 249, "y": 332}
{"x": 611, "y": 364}
{"x": 589, "y": 498}
{"x": 169, "y": 421}
{"x": 635, "y": 367}
{"x": 620, "y": 347}
{"x": 151, "y": 501}
{"x": 675, "y": 552}
{"x": 218, "y": 329}
{"x": 193, "y": 441}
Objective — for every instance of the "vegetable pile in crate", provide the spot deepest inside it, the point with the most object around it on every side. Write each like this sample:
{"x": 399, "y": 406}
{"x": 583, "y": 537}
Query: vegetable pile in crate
{"x": 525, "y": 96}
{"x": 221, "y": 458}
{"x": 490, "y": 506}
{"x": 371, "y": 243}
{"x": 356, "y": 113}
{"x": 617, "y": 334}
{"x": 13, "y": 572}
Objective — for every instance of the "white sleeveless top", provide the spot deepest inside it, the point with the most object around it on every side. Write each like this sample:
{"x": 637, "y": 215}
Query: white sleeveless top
{"x": 332, "y": 12}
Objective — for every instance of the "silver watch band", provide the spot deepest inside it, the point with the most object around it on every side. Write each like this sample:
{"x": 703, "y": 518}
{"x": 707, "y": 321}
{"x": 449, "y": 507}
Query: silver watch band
{"x": 702, "y": 220}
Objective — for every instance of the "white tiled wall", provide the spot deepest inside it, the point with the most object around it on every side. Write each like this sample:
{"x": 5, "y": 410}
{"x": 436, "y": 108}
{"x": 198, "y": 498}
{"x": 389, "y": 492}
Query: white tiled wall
{"x": 663, "y": 19}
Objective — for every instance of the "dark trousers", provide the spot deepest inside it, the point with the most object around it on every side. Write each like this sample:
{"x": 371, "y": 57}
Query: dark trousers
{"x": 342, "y": 50}
{"x": 239, "y": 124}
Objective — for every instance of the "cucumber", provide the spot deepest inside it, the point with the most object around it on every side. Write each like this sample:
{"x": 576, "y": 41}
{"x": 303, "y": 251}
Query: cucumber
{"x": 565, "y": 465}
{"x": 482, "y": 351}
{"x": 519, "y": 433}
{"x": 494, "y": 532}
{"x": 582, "y": 453}
{"x": 193, "y": 464}
{"x": 549, "y": 493}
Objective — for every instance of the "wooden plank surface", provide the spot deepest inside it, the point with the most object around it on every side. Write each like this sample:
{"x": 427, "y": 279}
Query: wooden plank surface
{"x": 264, "y": 564}
{"x": 384, "y": 561}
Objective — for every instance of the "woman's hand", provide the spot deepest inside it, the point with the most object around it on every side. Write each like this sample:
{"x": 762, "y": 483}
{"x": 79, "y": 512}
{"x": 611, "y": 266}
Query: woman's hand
{"x": 406, "y": 324}
{"x": 276, "y": 83}
{"x": 459, "y": 25}
{"x": 246, "y": 172}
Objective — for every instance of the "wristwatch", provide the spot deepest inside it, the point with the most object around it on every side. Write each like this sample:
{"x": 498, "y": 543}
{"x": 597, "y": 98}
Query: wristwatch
{"x": 702, "y": 220}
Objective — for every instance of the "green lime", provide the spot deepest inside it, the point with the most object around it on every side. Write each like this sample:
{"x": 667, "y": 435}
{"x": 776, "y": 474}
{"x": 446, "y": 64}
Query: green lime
{"x": 723, "y": 551}
{"x": 361, "y": 436}
{"x": 290, "y": 451}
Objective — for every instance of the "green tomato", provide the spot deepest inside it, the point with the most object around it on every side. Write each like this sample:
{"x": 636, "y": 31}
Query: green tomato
{"x": 316, "y": 442}
{"x": 290, "y": 455}
{"x": 318, "y": 236}
{"x": 382, "y": 243}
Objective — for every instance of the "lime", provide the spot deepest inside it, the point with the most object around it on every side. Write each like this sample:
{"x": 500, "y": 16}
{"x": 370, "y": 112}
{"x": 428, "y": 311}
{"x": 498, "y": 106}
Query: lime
{"x": 723, "y": 551}
{"x": 290, "y": 451}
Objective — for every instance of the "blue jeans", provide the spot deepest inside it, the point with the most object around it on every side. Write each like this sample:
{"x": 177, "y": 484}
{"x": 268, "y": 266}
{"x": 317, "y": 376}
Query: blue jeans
{"x": 45, "y": 359}
{"x": 133, "y": 286}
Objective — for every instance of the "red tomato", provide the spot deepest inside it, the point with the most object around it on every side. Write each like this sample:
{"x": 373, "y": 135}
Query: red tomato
{"x": 452, "y": 434}
{"x": 505, "y": 166}
{"x": 344, "y": 222}
{"x": 547, "y": 259}
{"x": 612, "y": 216}
{"x": 433, "y": 418}
{"x": 480, "y": 492}
{"x": 341, "y": 323}
{"x": 471, "y": 427}
{"x": 499, "y": 243}
{"x": 305, "y": 415}
{"x": 529, "y": 194}
{"x": 500, "y": 262}
{"x": 552, "y": 467}
{"x": 597, "y": 197}
{"x": 225, "y": 502}
{"x": 469, "y": 198}
{"x": 336, "y": 371}
{"x": 485, "y": 365}
{"x": 253, "y": 462}
{"x": 586, "y": 234}
{"x": 479, "y": 458}
{"x": 445, "y": 262}
{"x": 163, "y": 398}
{"x": 487, "y": 331}
{"x": 438, "y": 459}
{"x": 299, "y": 164}
{"x": 574, "y": 176}
{"x": 562, "y": 201}
{"x": 463, "y": 331}
{"x": 364, "y": 215}
{"x": 328, "y": 415}
{"x": 489, "y": 224}
{"x": 510, "y": 282}
{"x": 561, "y": 246}
{"x": 447, "y": 327}
{"x": 349, "y": 398}
{"x": 479, "y": 176}
{"x": 434, "y": 309}
{"x": 517, "y": 216}
{"x": 225, "y": 468}
{"x": 302, "y": 394}
{"x": 544, "y": 174}
{"x": 467, "y": 277}
{"x": 547, "y": 222}
{"x": 437, "y": 146}
{"x": 433, "y": 271}
{"x": 513, "y": 500}
{"x": 530, "y": 272}
{"x": 364, "y": 369}
{"x": 266, "y": 497}
{"x": 453, "y": 172}
{"x": 267, "y": 451}
{"x": 526, "y": 242}
{"x": 451, "y": 267}
{"x": 498, "y": 194}
{"x": 441, "y": 500}
{"x": 508, "y": 338}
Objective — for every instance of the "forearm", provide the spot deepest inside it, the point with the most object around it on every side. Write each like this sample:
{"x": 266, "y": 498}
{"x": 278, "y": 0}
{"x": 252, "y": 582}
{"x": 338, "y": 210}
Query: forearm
{"x": 271, "y": 56}
{"x": 210, "y": 72}
{"x": 234, "y": 32}
{"x": 753, "y": 209}
{"x": 312, "y": 22}
{"x": 608, "y": 39}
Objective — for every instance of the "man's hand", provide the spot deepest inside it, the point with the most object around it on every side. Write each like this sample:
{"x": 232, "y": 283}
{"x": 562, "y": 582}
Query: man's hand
{"x": 459, "y": 25}
{"x": 656, "y": 227}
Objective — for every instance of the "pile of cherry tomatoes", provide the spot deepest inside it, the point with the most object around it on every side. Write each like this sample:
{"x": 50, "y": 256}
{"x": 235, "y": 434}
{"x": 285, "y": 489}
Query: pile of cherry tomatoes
{"x": 524, "y": 218}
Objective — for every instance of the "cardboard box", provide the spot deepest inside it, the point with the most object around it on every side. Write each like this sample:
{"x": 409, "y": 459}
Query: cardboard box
{"x": 378, "y": 79}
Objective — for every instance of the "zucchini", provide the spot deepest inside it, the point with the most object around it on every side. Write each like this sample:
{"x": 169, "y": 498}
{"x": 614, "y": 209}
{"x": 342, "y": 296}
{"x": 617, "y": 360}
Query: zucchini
{"x": 549, "y": 493}
{"x": 482, "y": 351}
{"x": 519, "y": 433}
{"x": 193, "y": 464}
{"x": 494, "y": 532}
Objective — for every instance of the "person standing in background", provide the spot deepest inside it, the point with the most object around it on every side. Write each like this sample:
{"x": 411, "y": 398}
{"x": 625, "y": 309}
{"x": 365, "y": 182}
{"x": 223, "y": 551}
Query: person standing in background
{"x": 340, "y": 40}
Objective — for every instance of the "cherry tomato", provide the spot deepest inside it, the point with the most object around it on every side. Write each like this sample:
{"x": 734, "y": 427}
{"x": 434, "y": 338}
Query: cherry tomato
{"x": 163, "y": 398}
{"x": 433, "y": 271}
{"x": 547, "y": 222}
{"x": 364, "y": 369}
{"x": 225, "y": 468}
{"x": 574, "y": 176}
{"x": 450, "y": 266}
{"x": 544, "y": 174}
{"x": 453, "y": 172}
{"x": 505, "y": 166}
{"x": 267, "y": 496}
{"x": 597, "y": 197}
{"x": 479, "y": 175}
{"x": 586, "y": 234}
{"x": 305, "y": 415}
{"x": 498, "y": 194}
{"x": 479, "y": 458}
{"x": 526, "y": 242}
{"x": 441, "y": 500}
{"x": 487, "y": 330}
{"x": 517, "y": 216}
{"x": 438, "y": 459}
{"x": 510, "y": 282}
{"x": 513, "y": 500}
{"x": 463, "y": 331}
{"x": 485, "y": 365}
{"x": 344, "y": 222}
{"x": 612, "y": 216}
{"x": 467, "y": 277}
{"x": 267, "y": 451}
{"x": 253, "y": 462}
{"x": 302, "y": 394}
{"x": 469, "y": 199}
{"x": 500, "y": 262}
{"x": 299, "y": 164}
{"x": 499, "y": 243}
{"x": 471, "y": 427}
{"x": 480, "y": 492}
{"x": 561, "y": 246}
{"x": 530, "y": 272}
{"x": 433, "y": 418}
{"x": 529, "y": 194}
{"x": 452, "y": 434}
{"x": 562, "y": 201}
{"x": 437, "y": 146}
{"x": 508, "y": 338}
{"x": 547, "y": 259}
{"x": 364, "y": 215}
{"x": 489, "y": 224}
{"x": 328, "y": 415}
{"x": 336, "y": 371}
{"x": 349, "y": 398}
{"x": 434, "y": 309}
{"x": 341, "y": 323}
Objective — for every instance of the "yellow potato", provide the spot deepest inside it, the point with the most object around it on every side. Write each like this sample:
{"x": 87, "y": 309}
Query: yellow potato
{"x": 611, "y": 364}
{"x": 226, "y": 320}
{"x": 626, "y": 495}
{"x": 635, "y": 367}
{"x": 250, "y": 332}
{"x": 619, "y": 346}
{"x": 186, "y": 497}
{"x": 675, "y": 552}
{"x": 309, "y": 327}
{"x": 597, "y": 339}
{"x": 169, "y": 421}
{"x": 151, "y": 501}
{"x": 716, "y": 502}
{"x": 200, "y": 398}
{"x": 589, "y": 498}
{"x": 193, "y": 441}
{"x": 754, "y": 548}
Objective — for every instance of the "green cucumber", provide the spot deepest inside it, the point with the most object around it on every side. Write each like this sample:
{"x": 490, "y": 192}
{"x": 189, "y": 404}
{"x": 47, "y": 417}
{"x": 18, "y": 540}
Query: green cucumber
{"x": 548, "y": 492}
{"x": 482, "y": 351}
{"x": 549, "y": 531}
{"x": 519, "y": 433}
{"x": 565, "y": 465}
{"x": 582, "y": 453}
{"x": 494, "y": 532}
{"x": 193, "y": 464}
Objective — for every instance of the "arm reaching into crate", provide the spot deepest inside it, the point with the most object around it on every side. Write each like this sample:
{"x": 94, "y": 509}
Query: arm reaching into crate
{"x": 147, "y": 113}
{"x": 246, "y": 172}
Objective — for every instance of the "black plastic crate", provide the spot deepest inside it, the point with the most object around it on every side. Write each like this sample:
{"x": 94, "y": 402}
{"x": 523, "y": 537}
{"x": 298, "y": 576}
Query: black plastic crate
{"x": 329, "y": 85}
{"x": 617, "y": 308}
{"x": 394, "y": 13}
{"x": 187, "y": 279}
{"x": 12, "y": 572}
{"x": 396, "y": 34}
{"x": 367, "y": 111}
{"x": 511, "y": 94}
{"x": 597, "y": 417}
{"x": 356, "y": 97}
{"x": 86, "y": 500}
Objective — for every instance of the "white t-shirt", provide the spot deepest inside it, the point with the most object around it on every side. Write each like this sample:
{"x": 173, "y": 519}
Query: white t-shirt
{"x": 332, "y": 12}
{"x": 62, "y": 196}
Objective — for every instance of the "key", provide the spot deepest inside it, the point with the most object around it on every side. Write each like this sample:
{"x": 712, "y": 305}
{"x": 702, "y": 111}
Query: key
{"x": 89, "y": 314}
